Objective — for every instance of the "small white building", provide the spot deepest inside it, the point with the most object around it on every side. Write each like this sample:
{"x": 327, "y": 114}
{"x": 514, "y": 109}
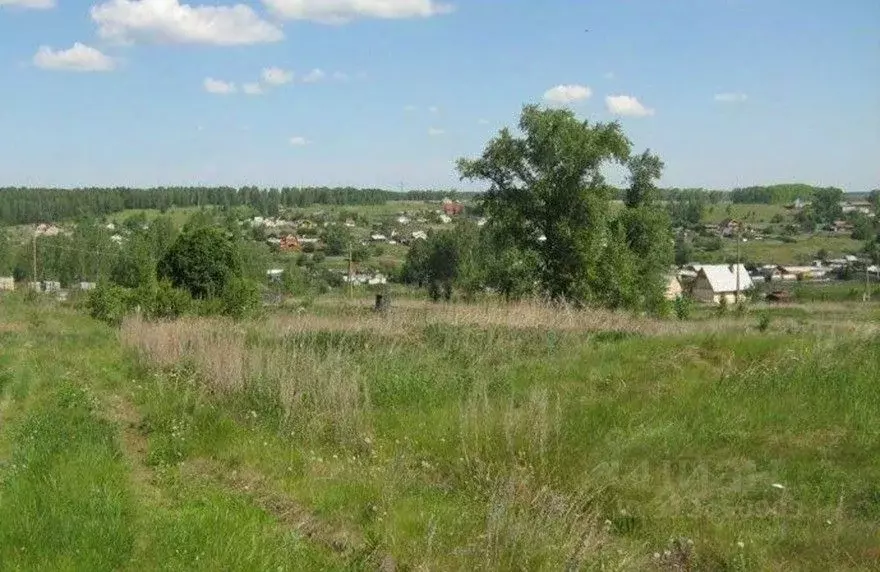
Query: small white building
{"x": 673, "y": 288}
{"x": 376, "y": 237}
{"x": 86, "y": 286}
{"x": 445, "y": 219}
{"x": 402, "y": 220}
{"x": 7, "y": 283}
{"x": 420, "y": 235}
{"x": 717, "y": 282}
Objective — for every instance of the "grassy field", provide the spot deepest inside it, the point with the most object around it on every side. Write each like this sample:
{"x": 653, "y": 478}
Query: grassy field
{"x": 749, "y": 213}
{"x": 803, "y": 250}
{"x": 441, "y": 437}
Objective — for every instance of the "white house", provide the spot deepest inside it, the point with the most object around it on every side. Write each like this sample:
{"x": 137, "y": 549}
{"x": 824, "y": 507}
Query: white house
{"x": 420, "y": 235}
{"x": 376, "y": 237}
{"x": 717, "y": 282}
{"x": 7, "y": 283}
{"x": 673, "y": 288}
{"x": 445, "y": 219}
{"x": 402, "y": 220}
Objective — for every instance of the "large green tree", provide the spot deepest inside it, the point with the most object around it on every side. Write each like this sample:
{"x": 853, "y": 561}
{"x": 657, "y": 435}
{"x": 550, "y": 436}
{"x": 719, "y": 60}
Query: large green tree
{"x": 547, "y": 193}
{"x": 826, "y": 205}
{"x": 202, "y": 260}
{"x": 548, "y": 202}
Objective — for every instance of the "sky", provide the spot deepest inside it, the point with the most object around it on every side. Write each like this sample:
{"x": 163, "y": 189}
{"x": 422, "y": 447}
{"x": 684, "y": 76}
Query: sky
{"x": 389, "y": 93}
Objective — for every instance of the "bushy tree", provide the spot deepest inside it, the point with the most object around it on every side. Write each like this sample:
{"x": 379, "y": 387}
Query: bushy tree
{"x": 826, "y": 205}
{"x": 337, "y": 239}
{"x": 549, "y": 202}
{"x": 202, "y": 260}
{"x": 547, "y": 193}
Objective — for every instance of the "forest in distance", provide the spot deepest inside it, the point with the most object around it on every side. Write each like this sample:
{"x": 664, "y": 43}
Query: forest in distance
{"x": 23, "y": 205}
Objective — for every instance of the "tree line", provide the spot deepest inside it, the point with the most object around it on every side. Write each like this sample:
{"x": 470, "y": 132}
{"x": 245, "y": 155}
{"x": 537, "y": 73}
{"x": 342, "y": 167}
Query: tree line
{"x": 20, "y": 205}
{"x": 777, "y": 194}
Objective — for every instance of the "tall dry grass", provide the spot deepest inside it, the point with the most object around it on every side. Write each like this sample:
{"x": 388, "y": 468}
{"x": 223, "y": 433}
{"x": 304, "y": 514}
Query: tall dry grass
{"x": 321, "y": 393}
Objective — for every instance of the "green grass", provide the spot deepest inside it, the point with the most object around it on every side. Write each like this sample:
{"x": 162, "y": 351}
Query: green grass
{"x": 449, "y": 446}
{"x": 439, "y": 445}
{"x": 75, "y": 495}
{"x": 746, "y": 212}
{"x": 771, "y": 251}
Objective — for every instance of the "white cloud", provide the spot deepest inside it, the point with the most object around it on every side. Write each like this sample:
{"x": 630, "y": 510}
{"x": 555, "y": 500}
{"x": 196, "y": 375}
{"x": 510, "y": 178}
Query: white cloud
{"x": 340, "y": 76}
{"x": 410, "y": 108}
{"x": 33, "y": 4}
{"x": 342, "y": 11}
{"x": 79, "y": 58}
{"x": 436, "y": 132}
{"x": 173, "y": 22}
{"x": 627, "y": 105}
{"x": 314, "y": 76}
{"x": 298, "y": 141}
{"x": 565, "y": 94}
{"x": 730, "y": 97}
{"x": 434, "y": 109}
{"x": 608, "y": 75}
{"x": 277, "y": 76}
{"x": 252, "y": 89}
{"x": 219, "y": 87}
{"x": 483, "y": 121}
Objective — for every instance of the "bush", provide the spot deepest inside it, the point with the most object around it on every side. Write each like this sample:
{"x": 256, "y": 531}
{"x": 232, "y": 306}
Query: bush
{"x": 318, "y": 257}
{"x": 109, "y": 303}
{"x": 763, "y": 321}
{"x": 240, "y": 298}
{"x": 683, "y": 305}
{"x": 169, "y": 302}
{"x": 308, "y": 247}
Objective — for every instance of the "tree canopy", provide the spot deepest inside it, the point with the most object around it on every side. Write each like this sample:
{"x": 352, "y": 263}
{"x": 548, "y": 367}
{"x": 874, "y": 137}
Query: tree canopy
{"x": 548, "y": 200}
{"x": 203, "y": 261}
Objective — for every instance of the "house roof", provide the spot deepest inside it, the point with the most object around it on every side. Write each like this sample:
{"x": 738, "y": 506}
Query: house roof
{"x": 722, "y": 278}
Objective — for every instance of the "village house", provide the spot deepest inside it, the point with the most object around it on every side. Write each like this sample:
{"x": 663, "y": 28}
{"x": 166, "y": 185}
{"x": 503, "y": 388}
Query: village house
{"x": 452, "y": 208}
{"x": 730, "y": 227}
{"x": 86, "y": 286}
{"x": 841, "y": 227}
{"x": 419, "y": 235}
{"x": 7, "y": 283}
{"x": 801, "y": 272}
{"x": 289, "y": 243}
{"x": 445, "y": 219}
{"x": 717, "y": 283}
{"x": 673, "y": 288}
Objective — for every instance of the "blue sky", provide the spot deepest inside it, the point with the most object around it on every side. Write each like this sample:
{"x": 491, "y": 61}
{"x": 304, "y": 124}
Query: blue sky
{"x": 150, "y": 92}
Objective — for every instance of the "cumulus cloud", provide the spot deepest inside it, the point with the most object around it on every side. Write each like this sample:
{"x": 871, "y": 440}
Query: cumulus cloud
{"x": 173, "y": 22}
{"x": 219, "y": 87}
{"x": 252, "y": 89}
{"x": 79, "y": 58}
{"x": 277, "y": 76}
{"x": 314, "y": 76}
{"x": 436, "y": 131}
{"x": 32, "y": 4}
{"x": 298, "y": 141}
{"x": 342, "y": 11}
{"x": 731, "y": 97}
{"x": 627, "y": 105}
{"x": 565, "y": 94}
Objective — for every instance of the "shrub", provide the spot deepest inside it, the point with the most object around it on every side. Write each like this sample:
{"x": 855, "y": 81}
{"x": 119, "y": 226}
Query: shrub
{"x": 169, "y": 302}
{"x": 763, "y": 321}
{"x": 109, "y": 303}
{"x": 318, "y": 257}
{"x": 683, "y": 305}
{"x": 240, "y": 298}
{"x": 308, "y": 247}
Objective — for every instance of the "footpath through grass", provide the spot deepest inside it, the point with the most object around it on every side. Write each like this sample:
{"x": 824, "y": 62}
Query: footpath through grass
{"x": 75, "y": 492}
{"x": 438, "y": 440}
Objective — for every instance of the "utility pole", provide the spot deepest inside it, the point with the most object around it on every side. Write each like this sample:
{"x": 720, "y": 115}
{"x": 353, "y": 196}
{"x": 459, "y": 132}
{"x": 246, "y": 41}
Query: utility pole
{"x": 350, "y": 277}
{"x": 738, "y": 241}
{"x": 867, "y": 284}
{"x": 34, "y": 279}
